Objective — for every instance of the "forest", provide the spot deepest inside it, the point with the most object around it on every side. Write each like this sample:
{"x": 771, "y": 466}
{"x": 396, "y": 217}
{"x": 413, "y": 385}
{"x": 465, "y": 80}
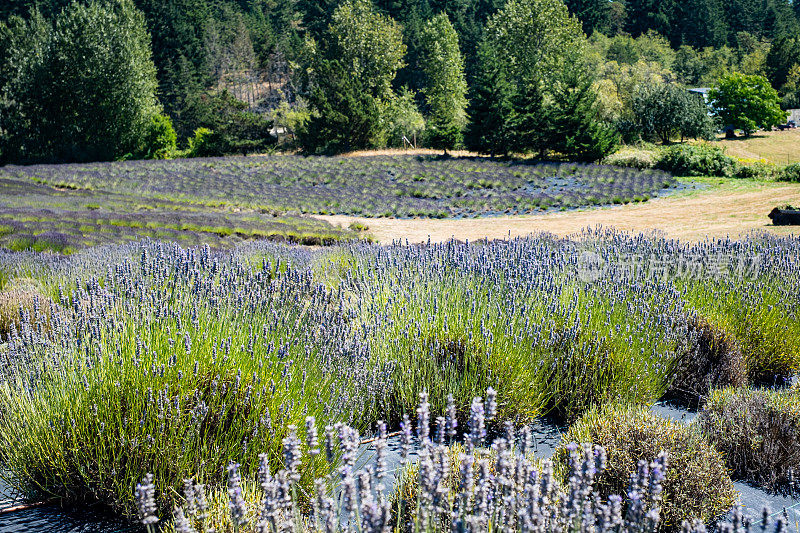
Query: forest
{"x": 133, "y": 79}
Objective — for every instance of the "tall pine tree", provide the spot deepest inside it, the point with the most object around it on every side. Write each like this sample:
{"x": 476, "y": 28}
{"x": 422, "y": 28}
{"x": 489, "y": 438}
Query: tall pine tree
{"x": 346, "y": 116}
{"x": 490, "y": 107}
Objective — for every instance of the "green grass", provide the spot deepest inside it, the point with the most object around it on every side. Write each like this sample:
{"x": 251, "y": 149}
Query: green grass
{"x": 777, "y": 147}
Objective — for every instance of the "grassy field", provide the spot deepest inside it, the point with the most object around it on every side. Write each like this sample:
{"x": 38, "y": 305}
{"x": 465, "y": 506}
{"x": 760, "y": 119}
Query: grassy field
{"x": 777, "y": 147}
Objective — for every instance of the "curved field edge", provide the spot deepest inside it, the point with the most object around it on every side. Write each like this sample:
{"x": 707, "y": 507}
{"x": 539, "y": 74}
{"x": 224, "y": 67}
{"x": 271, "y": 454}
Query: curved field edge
{"x": 392, "y": 186}
{"x": 713, "y": 208}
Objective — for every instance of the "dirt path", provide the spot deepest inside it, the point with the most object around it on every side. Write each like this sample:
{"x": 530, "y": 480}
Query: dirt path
{"x": 731, "y": 209}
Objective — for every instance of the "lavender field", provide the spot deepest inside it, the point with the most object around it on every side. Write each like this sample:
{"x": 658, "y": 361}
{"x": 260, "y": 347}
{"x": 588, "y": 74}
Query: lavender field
{"x": 227, "y": 200}
{"x": 245, "y": 381}
{"x": 62, "y": 218}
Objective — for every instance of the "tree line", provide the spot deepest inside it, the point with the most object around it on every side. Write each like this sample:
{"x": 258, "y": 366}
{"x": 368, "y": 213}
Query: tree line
{"x": 107, "y": 79}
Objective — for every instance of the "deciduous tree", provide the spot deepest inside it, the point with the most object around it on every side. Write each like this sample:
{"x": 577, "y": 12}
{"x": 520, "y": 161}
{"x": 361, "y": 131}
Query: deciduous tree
{"x": 446, "y": 87}
{"x": 663, "y": 111}
{"x": 368, "y": 44}
{"x": 747, "y": 102}
{"x": 80, "y": 88}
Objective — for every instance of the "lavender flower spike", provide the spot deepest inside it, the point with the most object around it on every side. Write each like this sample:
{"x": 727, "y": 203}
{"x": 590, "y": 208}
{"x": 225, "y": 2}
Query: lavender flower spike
{"x": 145, "y": 501}
{"x": 236, "y": 501}
{"x": 312, "y": 438}
{"x": 423, "y": 418}
{"x": 405, "y": 437}
{"x": 182, "y": 524}
{"x": 491, "y": 403}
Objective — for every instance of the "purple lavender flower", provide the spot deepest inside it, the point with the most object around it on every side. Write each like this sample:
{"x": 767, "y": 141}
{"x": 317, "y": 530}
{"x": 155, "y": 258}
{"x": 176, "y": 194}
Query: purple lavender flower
{"x": 292, "y": 455}
{"x": 405, "y": 436}
{"x": 312, "y": 439}
{"x": 235, "y": 500}
{"x": 491, "y": 403}
{"x": 423, "y": 418}
{"x": 452, "y": 418}
{"x": 145, "y": 501}
{"x": 182, "y": 524}
{"x": 330, "y": 446}
{"x": 477, "y": 428}
{"x": 380, "y": 453}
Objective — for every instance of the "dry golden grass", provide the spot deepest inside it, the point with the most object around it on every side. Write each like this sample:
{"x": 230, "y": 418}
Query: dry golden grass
{"x": 21, "y": 294}
{"x": 727, "y": 208}
{"x": 778, "y": 147}
{"x": 410, "y": 151}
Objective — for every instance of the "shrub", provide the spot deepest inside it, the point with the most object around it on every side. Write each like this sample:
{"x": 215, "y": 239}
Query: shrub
{"x": 756, "y": 430}
{"x": 633, "y": 158}
{"x": 234, "y": 129}
{"x": 790, "y": 173}
{"x": 697, "y": 483}
{"x": 755, "y": 314}
{"x": 400, "y": 117}
{"x": 714, "y": 360}
{"x": 199, "y": 145}
{"x": 160, "y": 139}
{"x": 696, "y": 160}
{"x": 756, "y": 171}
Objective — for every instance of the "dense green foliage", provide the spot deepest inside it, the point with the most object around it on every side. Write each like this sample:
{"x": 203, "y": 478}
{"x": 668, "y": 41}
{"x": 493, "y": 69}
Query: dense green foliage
{"x": 747, "y": 102}
{"x": 79, "y": 88}
{"x": 160, "y": 139}
{"x": 232, "y": 128}
{"x": 346, "y": 117}
{"x": 368, "y": 44}
{"x": 663, "y": 111}
{"x": 446, "y": 86}
{"x": 536, "y": 85}
{"x": 424, "y": 63}
{"x": 696, "y": 160}
{"x": 697, "y": 483}
{"x": 791, "y": 173}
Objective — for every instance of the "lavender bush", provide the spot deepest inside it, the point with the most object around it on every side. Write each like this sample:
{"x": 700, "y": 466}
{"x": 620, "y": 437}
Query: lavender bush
{"x": 190, "y": 359}
{"x": 757, "y": 431}
{"x": 698, "y": 486}
{"x": 455, "y": 488}
{"x": 183, "y": 360}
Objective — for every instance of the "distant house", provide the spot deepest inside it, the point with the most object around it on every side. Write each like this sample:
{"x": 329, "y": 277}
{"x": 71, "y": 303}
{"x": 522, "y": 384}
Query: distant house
{"x": 794, "y": 115}
{"x": 702, "y": 91}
